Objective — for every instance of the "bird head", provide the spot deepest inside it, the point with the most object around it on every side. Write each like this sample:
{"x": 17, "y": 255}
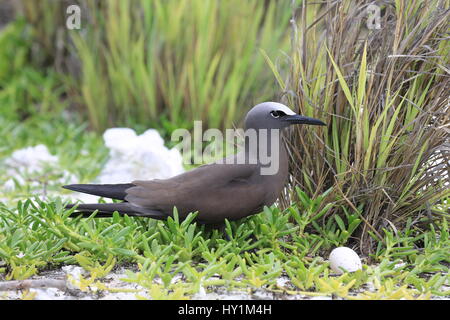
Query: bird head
{"x": 274, "y": 115}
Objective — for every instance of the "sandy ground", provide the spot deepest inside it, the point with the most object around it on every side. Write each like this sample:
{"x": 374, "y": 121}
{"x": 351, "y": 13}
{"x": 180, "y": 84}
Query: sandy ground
{"x": 118, "y": 289}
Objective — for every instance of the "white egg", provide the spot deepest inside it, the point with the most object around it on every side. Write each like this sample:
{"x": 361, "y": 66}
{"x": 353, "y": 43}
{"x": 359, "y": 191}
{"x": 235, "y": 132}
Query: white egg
{"x": 346, "y": 258}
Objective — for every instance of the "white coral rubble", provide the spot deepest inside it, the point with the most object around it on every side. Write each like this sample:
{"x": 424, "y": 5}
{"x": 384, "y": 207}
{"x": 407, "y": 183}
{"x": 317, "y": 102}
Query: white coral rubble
{"x": 138, "y": 157}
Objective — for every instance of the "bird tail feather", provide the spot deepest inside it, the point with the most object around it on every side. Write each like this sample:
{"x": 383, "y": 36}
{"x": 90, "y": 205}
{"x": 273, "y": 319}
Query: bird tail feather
{"x": 107, "y": 209}
{"x": 113, "y": 191}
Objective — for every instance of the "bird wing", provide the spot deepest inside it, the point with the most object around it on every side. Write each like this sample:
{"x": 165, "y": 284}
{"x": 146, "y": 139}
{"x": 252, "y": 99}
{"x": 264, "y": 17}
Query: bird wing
{"x": 217, "y": 191}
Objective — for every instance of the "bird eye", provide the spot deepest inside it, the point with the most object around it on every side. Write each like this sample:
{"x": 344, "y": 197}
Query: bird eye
{"x": 277, "y": 113}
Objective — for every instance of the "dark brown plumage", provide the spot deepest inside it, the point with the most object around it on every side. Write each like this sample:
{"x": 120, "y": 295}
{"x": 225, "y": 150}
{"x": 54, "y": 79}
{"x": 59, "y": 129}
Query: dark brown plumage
{"x": 216, "y": 191}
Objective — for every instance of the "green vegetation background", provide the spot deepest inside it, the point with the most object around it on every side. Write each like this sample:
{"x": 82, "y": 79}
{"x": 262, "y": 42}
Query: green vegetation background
{"x": 163, "y": 64}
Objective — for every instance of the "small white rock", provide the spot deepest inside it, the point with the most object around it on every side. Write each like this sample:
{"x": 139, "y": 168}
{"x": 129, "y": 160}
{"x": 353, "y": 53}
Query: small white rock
{"x": 346, "y": 258}
{"x": 33, "y": 161}
{"x": 29, "y": 159}
{"x": 143, "y": 157}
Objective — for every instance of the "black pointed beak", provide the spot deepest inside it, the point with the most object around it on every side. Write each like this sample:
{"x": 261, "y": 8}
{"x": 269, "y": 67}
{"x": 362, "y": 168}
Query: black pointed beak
{"x": 298, "y": 119}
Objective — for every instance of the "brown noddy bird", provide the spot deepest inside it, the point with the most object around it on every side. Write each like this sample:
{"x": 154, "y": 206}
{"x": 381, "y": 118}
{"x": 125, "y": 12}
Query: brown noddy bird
{"x": 220, "y": 190}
